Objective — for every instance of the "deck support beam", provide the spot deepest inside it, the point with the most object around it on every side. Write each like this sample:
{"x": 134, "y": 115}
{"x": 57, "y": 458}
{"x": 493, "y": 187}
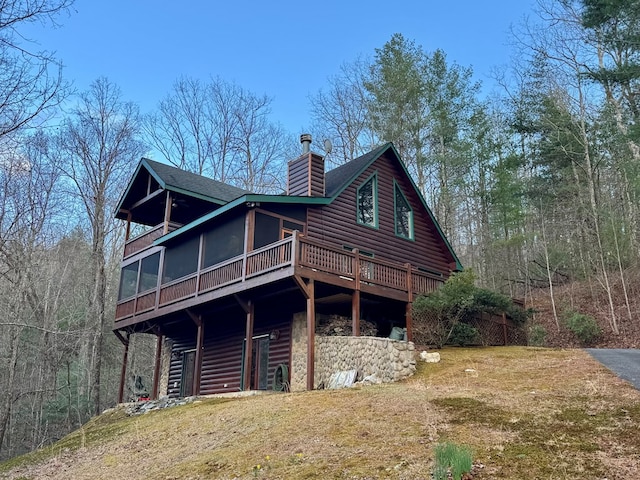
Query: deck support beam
{"x": 409, "y": 307}
{"x": 248, "y": 346}
{"x": 123, "y": 371}
{"x": 355, "y": 313}
{"x": 156, "y": 370}
{"x": 311, "y": 334}
{"x": 197, "y": 319}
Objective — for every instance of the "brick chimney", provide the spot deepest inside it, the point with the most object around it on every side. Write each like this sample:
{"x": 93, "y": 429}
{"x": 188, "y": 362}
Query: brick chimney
{"x": 306, "y": 173}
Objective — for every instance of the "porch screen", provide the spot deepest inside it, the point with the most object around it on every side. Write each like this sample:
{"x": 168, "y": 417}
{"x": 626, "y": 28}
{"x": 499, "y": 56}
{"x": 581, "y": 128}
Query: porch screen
{"x": 181, "y": 260}
{"x": 223, "y": 242}
{"x": 149, "y": 273}
{"x": 267, "y": 230}
{"x": 128, "y": 280}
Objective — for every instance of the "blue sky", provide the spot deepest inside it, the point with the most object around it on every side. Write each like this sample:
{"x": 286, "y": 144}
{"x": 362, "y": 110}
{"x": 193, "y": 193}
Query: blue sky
{"x": 284, "y": 49}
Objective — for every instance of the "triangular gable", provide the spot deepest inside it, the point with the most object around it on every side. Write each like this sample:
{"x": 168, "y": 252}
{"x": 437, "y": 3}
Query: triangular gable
{"x": 183, "y": 182}
{"x": 338, "y": 179}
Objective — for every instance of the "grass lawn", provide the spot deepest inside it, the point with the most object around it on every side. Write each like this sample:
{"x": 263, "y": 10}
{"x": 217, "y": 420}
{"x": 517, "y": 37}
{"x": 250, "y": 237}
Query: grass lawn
{"x": 526, "y": 413}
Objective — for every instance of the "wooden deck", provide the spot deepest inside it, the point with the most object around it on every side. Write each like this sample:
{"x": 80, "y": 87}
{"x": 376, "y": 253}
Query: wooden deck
{"x": 295, "y": 255}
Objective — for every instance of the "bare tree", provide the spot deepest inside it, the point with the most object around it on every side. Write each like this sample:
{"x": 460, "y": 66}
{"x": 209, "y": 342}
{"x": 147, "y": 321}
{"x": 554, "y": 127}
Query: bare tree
{"x": 100, "y": 146}
{"x": 30, "y": 79}
{"x": 340, "y": 113}
{"x": 220, "y": 130}
{"x": 29, "y": 204}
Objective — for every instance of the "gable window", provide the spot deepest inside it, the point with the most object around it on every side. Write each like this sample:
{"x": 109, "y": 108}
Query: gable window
{"x": 403, "y": 214}
{"x": 368, "y": 202}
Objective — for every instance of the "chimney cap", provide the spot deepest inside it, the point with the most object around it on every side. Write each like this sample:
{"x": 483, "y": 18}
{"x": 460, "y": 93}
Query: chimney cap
{"x": 305, "y": 140}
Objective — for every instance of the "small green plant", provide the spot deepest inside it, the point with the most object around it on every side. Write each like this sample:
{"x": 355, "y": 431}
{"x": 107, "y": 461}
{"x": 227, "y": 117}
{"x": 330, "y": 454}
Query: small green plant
{"x": 537, "y": 335}
{"x": 583, "y": 326}
{"x": 451, "y": 458}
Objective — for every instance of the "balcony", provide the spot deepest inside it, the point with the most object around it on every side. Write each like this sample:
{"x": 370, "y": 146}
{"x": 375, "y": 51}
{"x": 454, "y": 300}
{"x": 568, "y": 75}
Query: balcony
{"x": 295, "y": 255}
{"x": 146, "y": 239}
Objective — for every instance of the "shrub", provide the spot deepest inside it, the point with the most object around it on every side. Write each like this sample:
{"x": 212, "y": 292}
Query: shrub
{"x": 583, "y": 326}
{"x": 451, "y": 458}
{"x": 460, "y": 301}
{"x": 463, "y": 334}
{"x": 537, "y": 335}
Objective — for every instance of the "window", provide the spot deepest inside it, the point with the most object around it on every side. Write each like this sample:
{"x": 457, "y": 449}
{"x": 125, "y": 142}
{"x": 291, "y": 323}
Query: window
{"x": 368, "y": 202}
{"x": 403, "y": 214}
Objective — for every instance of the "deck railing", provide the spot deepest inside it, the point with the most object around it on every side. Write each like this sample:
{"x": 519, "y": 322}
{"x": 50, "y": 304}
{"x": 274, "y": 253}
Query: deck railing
{"x": 372, "y": 271}
{"x": 146, "y": 239}
{"x": 295, "y": 251}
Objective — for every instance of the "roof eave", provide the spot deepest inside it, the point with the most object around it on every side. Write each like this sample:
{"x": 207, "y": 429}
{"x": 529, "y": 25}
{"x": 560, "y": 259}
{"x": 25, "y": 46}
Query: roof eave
{"x": 238, "y": 202}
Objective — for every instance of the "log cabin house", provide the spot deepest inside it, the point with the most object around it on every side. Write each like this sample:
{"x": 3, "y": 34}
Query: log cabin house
{"x": 218, "y": 273}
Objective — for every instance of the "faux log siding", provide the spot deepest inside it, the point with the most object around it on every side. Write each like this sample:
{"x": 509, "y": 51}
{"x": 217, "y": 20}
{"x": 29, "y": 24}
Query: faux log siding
{"x": 221, "y": 364}
{"x": 317, "y": 175}
{"x": 280, "y": 349}
{"x": 175, "y": 368}
{"x": 336, "y": 223}
{"x": 298, "y": 176}
{"x": 306, "y": 176}
{"x": 222, "y": 357}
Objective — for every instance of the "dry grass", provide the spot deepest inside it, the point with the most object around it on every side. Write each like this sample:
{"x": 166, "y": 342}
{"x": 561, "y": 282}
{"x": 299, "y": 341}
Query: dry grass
{"x": 525, "y": 412}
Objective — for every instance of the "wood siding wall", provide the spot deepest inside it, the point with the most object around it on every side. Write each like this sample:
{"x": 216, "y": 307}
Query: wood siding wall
{"x": 222, "y": 355}
{"x": 337, "y": 223}
{"x": 306, "y": 176}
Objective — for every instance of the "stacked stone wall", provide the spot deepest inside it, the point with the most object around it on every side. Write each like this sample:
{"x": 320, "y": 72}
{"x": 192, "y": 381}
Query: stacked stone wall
{"x": 390, "y": 360}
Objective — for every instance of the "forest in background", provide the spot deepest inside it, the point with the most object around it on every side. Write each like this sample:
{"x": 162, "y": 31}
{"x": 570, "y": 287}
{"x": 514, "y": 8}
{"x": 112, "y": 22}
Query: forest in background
{"x": 535, "y": 185}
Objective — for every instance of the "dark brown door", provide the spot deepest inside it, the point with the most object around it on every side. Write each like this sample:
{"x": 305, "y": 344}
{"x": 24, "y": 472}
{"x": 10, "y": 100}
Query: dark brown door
{"x": 188, "y": 373}
{"x": 260, "y": 363}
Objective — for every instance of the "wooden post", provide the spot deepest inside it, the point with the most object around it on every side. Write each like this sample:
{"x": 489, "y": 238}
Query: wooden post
{"x": 408, "y": 315}
{"x": 167, "y": 213}
{"x": 156, "y": 371}
{"x": 355, "y": 313}
{"x": 127, "y": 233}
{"x": 505, "y": 334}
{"x": 294, "y": 248}
{"x": 355, "y": 297}
{"x": 248, "y": 345}
{"x": 123, "y": 371}
{"x": 311, "y": 335}
{"x": 199, "y": 347}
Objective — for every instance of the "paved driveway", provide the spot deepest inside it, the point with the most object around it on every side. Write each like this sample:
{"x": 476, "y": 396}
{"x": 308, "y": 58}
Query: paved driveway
{"x": 623, "y": 362}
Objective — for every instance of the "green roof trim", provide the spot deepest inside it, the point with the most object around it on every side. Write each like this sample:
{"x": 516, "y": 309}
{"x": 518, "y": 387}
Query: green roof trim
{"x": 337, "y": 180}
{"x": 187, "y": 183}
{"x": 238, "y": 202}
{"x": 363, "y": 162}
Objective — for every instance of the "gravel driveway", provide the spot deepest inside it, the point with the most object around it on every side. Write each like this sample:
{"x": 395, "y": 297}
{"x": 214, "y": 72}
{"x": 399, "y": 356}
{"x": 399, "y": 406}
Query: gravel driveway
{"x": 623, "y": 362}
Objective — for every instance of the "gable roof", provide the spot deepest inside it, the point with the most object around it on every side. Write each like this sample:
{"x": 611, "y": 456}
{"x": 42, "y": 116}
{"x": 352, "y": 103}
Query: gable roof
{"x": 206, "y": 190}
{"x": 339, "y": 178}
{"x": 172, "y": 178}
{"x": 336, "y": 181}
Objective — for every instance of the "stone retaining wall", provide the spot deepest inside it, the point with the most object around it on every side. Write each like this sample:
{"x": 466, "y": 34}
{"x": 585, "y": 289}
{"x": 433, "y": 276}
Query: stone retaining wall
{"x": 390, "y": 360}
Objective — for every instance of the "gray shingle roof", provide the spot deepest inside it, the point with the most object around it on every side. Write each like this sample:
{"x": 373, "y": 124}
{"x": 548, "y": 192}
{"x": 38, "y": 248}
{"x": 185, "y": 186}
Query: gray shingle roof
{"x": 338, "y": 178}
{"x": 174, "y": 178}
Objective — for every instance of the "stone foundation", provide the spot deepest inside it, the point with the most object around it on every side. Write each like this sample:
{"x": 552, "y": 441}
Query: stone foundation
{"x": 390, "y": 360}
